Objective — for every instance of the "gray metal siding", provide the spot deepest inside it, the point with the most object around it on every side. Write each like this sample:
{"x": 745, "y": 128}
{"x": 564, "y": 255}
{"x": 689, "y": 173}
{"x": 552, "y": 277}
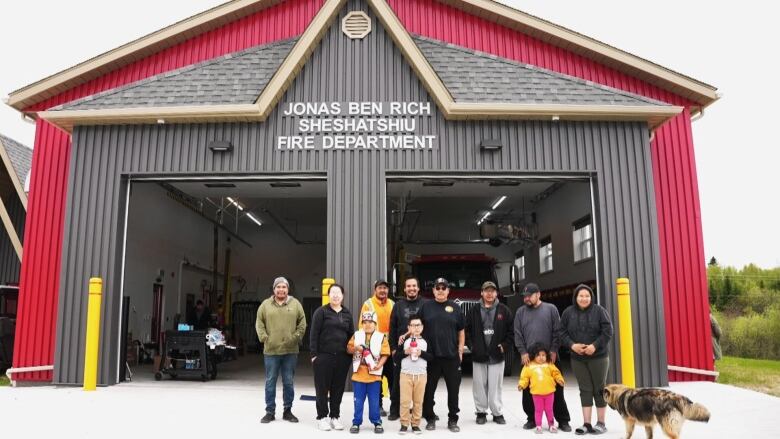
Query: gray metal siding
{"x": 372, "y": 69}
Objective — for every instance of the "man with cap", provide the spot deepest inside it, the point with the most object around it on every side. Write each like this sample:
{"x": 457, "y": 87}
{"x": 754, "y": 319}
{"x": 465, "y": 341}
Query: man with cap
{"x": 399, "y": 323}
{"x": 539, "y": 323}
{"x": 280, "y": 326}
{"x": 382, "y": 305}
{"x": 444, "y": 326}
{"x": 489, "y": 335}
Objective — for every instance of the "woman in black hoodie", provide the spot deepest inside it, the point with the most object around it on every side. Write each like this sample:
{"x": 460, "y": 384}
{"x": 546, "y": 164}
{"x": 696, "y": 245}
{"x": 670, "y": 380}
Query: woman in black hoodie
{"x": 586, "y": 330}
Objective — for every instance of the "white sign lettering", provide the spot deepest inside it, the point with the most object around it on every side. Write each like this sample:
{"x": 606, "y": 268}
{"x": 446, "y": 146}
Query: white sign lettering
{"x": 356, "y": 125}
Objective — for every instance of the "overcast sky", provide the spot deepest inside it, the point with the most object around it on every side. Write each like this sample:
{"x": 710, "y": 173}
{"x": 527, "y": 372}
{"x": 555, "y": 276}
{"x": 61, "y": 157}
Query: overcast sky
{"x": 731, "y": 45}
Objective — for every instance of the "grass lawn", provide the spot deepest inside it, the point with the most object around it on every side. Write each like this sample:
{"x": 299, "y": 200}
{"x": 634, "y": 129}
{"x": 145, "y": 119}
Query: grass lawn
{"x": 4, "y": 380}
{"x": 759, "y": 375}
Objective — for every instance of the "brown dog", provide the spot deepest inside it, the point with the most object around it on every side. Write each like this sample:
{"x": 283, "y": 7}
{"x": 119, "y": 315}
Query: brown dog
{"x": 648, "y": 407}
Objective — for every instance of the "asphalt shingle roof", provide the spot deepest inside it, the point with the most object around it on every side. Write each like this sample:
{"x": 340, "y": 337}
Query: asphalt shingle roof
{"x": 237, "y": 78}
{"x": 472, "y": 76}
{"x": 20, "y": 155}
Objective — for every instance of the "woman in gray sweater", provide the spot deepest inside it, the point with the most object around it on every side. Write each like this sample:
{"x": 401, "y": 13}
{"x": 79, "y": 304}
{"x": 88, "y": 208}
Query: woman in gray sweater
{"x": 587, "y": 330}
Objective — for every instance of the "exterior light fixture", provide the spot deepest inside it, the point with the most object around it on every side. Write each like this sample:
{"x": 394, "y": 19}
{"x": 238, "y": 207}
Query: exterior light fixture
{"x": 220, "y": 146}
{"x": 490, "y": 145}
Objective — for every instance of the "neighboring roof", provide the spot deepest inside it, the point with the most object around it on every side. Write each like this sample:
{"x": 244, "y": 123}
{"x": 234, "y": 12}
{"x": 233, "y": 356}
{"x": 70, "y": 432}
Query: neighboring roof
{"x": 237, "y": 78}
{"x": 472, "y": 76}
{"x": 19, "y": 155}
{"x": 665, "y": 78}
{"x": 654, "y": 113}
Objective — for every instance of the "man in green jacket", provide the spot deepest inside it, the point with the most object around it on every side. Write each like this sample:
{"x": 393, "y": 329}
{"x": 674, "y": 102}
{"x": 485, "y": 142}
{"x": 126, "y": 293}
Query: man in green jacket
{"x": 280, "y": 327}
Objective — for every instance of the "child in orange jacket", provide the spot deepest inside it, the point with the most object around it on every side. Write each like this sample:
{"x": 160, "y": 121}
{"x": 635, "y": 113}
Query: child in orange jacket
{"x": 541, "y": 375}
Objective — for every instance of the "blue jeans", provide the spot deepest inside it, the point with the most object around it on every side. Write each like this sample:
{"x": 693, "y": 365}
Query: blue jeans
{"x": 274, "y": 364}
{"x": 373, "y": 392}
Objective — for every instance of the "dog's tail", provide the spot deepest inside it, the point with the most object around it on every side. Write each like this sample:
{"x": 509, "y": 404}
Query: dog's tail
{"x": 696, "y": 412}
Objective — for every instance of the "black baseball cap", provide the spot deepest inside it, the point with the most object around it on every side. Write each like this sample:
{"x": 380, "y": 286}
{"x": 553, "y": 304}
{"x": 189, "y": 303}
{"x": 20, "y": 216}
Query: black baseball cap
{"x": 530, "y": 288}
{"x": 441, "y": 281}
{"x": 381, "y": 282}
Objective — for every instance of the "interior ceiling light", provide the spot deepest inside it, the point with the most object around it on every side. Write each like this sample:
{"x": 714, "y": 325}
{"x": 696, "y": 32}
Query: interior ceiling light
{"x": 498, "y": 203}
{"x": 254, "y": 218}
{"x": 285, "y": 184}
{"x": 219, "y": 185}
{"x": 484, "y": 217}
{"x": 235, "y": 203}
{"x": 443, "y": 183}
{"x": 504, "y": 183}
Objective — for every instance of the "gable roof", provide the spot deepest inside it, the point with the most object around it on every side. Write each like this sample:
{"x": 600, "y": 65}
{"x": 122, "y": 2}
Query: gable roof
{"x": 236, "y": 78}
{"x": 653, "y": 114}
{"x": 17, "y": 158}
{"x": 665, "y": 78}
{"x": 473, "y": 76}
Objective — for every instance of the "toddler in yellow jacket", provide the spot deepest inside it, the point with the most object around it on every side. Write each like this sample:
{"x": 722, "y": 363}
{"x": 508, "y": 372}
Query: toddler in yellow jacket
{"x": 541, "y": 375}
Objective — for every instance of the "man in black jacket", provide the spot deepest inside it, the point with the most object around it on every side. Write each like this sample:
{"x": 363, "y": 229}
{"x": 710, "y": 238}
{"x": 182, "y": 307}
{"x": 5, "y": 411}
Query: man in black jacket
{"x": 399, "y": 322}
{"x": 489, "y": 334}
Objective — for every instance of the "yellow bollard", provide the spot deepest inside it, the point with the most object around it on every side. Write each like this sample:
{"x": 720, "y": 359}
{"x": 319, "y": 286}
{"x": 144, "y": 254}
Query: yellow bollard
{"x": 626, "y": 332}
{"x": 93, "y": 333}
{"x": 326, "y": 283}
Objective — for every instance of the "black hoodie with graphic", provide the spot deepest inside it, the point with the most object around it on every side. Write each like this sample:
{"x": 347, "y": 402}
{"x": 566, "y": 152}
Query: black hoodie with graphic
{"x": 586, "y": 326}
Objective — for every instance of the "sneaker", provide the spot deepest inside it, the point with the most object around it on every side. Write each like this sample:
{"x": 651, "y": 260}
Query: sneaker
{"x": 599, "y": 428}
{"x": 324, "y": 424}
{"x": 530, "y": 425}
{"x": 288, "y": 416}
{"x": 564, "y": 426}
{"x": 335, "y": 424}
{"x": 585, "y": 429}
{"x": 354, "y": 429}
{"x": 499, "y": 419}
{"x": 267, "y": 418}
{"x": 416, "y": 430}
{"x": 538, "y": 430}
{"x": 553, "y": 429}
{"x": 404, "y": 429}
{"x": 453, "y": 426}
{"x": 482, "y": 418}
{"x": 378, "y": 429}
{"x": 430, "y": 426}
{"x": 393, "y": 416}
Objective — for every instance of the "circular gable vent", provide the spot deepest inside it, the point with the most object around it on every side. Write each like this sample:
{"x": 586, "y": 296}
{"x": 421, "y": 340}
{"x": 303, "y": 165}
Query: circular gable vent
{"x": 356, "y": 25}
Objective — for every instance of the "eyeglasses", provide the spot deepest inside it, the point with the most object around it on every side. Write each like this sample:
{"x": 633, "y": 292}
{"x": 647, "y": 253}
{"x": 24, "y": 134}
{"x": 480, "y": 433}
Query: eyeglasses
{"x": 441, "y": 288}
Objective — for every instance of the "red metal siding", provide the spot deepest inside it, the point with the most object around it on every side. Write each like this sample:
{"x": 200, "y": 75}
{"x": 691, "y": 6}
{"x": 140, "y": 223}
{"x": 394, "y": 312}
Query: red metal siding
{"x": 674, "y": 171}
{"x": 40, "y": 277}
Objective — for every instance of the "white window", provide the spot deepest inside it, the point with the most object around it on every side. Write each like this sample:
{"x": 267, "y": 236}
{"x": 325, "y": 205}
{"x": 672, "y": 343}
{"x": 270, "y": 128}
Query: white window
{"x": 583, "y": 239}
{"x": 520, "y": 264}
{"x": 545, "y": 255}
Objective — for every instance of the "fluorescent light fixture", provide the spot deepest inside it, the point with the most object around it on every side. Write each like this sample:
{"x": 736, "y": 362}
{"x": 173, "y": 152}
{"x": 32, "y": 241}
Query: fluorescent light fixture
{"x": 497, "y": 203}
{"x": 504, "y": 183}
{"x": 484, "y": 217}
{"x": 254, "y": 218}
{"x": 235, "y": 203}
{"x": 285, "y": 184}
{"x": 219, "y": 185}
{"x": 441, "y": 183}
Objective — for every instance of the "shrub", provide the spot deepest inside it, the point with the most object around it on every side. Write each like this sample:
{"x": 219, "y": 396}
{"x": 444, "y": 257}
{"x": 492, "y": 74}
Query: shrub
{"x": 753, "y": 335}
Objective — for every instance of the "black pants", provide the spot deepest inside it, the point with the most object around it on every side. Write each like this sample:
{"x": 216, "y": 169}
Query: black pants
{"x": 449, "y": 368}
{"x": 330, "y": 377}
{"x": 560, "y": 410}
{"x": 388, "y": 371}
{"x": 395, "y": 389}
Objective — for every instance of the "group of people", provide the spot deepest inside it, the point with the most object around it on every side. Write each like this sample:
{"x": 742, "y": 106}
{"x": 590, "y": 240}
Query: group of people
{"x": 416, "y": 341}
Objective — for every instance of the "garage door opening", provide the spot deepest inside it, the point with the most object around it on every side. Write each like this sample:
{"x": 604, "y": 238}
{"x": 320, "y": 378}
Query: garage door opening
{"x": 178, "y": 232}
{"x": 470, "y": 231}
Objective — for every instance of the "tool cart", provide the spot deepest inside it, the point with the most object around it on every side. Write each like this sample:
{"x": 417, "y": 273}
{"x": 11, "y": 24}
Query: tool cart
{"x": 185, "y": 354}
